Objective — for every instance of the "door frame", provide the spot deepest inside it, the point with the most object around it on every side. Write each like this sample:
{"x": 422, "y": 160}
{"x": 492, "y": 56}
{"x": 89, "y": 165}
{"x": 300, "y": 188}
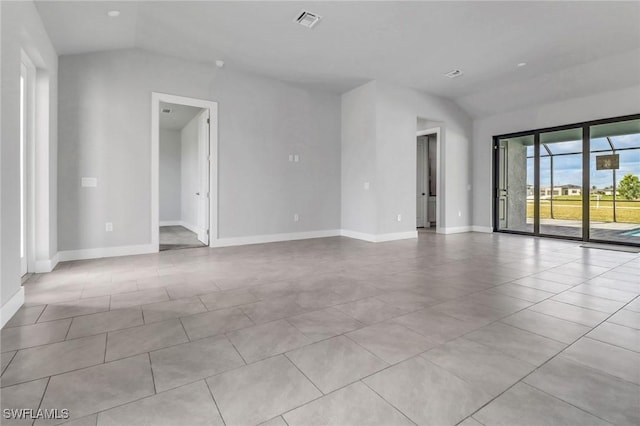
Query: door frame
{"x": 435, "y": 131}
{"x": 28, "y": 67}
{"x": 156, "y": 99}
{"x": 425, "y": 181}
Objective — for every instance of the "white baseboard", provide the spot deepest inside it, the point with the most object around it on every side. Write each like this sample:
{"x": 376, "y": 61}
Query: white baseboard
{"x": 272, "y": 238}
{"x": 97, "y": 253}
{"x": 9, "y": 309}
{"x": 170, "y": 223}
{"x": 396, "y": 236}
{"x": 453, "y": 230}
{"x": 47, "y": 265}
{"x": 378, "y": 238}
{"x": 485, "y": 229}
{"x": 358, "y": 235}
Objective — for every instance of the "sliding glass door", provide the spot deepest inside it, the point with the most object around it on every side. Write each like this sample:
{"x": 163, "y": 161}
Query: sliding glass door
{"x": 561, "y": 183}
{"x": 578, "y": 182}
{"x": 614, "y": 203}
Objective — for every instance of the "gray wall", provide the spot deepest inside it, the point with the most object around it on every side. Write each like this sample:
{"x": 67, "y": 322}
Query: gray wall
{"x": 170, "y": 175}
{"x": 105, "y": 132}
{"x": 379, "y": 123}
{"x": 601, "y": 105}
{"x": 262, "y": 121}
{"x": 455, "y": 137}
{"x": 359, "y": 205}
{"x": 189, "y": 180}
{"x": 21, "y": 27}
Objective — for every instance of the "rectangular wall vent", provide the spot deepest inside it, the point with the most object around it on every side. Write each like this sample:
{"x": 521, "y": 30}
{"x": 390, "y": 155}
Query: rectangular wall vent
{"x": 308, "y": 19}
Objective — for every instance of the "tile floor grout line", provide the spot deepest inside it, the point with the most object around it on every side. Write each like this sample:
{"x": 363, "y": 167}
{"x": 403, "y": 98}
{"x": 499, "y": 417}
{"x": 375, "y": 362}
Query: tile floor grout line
{"x": 153, "y": 378}
{"x": 43, "y": 394}
{"x": 68, "y": 330}
{"x": 236, "y": 349}
{"x": 305, "y": 376}
{"x": 41, "y": 312}
{"x": 206, "y": 383}
{"x": 183, "y": 329}
{"x": 566, "y": 402}
{"x": 388, "y": 402}
{"x": 7, "y": 366}
{"x": 106, "y": 345}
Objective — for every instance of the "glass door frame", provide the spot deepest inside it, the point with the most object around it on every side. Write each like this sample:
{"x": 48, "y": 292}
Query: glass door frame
{"x": 586, "y": 178}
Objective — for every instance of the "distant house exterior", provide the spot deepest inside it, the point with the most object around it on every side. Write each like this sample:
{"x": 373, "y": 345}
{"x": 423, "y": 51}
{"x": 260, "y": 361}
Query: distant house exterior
{"x": 547, "y": 192}
{"x": 571, "y": 190}
{"x": 560, "y": 190}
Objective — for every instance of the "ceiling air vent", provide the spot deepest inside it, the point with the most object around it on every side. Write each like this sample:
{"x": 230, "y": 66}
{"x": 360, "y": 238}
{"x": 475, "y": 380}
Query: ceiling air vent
{"x": 453, "y": 74}
{"x": 166, "y": 110}
{"x": 307, "y": 19}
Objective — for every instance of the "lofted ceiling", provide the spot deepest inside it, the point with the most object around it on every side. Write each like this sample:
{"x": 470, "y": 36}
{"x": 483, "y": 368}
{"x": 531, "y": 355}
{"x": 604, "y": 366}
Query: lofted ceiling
{"x": 571, "y": 48}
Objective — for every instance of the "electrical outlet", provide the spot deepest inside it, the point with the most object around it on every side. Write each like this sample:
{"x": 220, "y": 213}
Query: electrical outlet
{"x": 296, "y": 158}
{"x": 399, "y": 217}
{"x": 296, "y": 217}
{"x": 108, "y": 227}
{"x": 291, "y": 158}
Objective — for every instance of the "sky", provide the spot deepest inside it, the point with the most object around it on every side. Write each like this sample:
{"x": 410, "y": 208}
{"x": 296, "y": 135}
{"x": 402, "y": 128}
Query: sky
{"x": 568, "y": 168}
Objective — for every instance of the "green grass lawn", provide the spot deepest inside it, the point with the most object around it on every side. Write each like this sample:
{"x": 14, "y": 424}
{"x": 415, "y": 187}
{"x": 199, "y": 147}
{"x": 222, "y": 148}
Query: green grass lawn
{"x": 570, "y": 208}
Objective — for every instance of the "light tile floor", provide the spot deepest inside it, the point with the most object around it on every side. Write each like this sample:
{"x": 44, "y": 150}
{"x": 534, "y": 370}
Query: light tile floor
{"x": 460, "y": 329}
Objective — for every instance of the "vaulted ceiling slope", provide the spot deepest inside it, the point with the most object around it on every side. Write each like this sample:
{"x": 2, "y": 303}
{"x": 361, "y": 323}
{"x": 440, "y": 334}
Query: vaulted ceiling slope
{"x": 571, "y": 49}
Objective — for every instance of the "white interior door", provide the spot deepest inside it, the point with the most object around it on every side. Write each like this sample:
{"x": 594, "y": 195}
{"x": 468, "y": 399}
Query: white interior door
{"x": 203, "y": 177}
{"x": 421, "y": 184}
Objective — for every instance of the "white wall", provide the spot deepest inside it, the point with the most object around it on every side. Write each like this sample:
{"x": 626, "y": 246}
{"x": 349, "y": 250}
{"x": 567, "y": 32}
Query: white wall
{"x": 105, "y": 132}
{"x": 387, "y": 134}
{"x": 21, "y": 28}
{"x": 597, "y": 106}
{"x": 189, "y": 180}
{"x": 261, "y": 122}
{"x": 170, "y": 175}
{"x": 358, "y": 162}
{"x": 455, "y": 138}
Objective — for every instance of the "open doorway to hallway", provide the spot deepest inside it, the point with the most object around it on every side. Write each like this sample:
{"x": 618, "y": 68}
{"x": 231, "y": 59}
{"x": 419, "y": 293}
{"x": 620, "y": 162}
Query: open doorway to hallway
{"x": 183, "y": 176}
{"x": 426, "y": 180}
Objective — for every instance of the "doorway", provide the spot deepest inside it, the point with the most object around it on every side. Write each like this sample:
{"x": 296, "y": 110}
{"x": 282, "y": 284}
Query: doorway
{"x": 185, "y": 140}
{"x": 578, "y": 181}
{"x": 426, "y": 180}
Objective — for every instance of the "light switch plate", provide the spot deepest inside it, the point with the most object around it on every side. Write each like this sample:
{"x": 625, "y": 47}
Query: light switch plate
{"x": 89, "y": 182}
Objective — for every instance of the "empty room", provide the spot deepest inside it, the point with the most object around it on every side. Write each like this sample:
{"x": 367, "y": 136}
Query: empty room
{"x": 284, "y": 213}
